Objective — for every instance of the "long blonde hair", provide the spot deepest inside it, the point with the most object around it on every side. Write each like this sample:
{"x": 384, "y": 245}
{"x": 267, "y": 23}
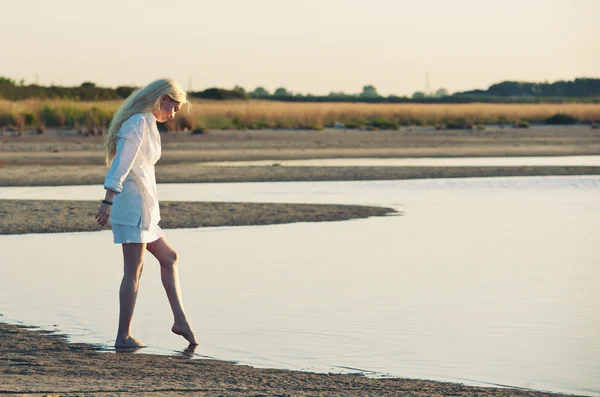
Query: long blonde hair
{"x": 142, "y": 100}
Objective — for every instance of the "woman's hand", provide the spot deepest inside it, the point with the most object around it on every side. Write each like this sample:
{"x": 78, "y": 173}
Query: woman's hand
{"x": 103, "y": 214}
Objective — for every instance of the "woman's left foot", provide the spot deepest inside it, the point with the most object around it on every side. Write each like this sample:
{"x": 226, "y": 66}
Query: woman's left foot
{"x": 185, "y": 331}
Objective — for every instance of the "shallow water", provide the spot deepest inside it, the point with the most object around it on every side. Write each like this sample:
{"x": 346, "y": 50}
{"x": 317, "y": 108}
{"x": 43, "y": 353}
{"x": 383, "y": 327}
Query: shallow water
{"x": 485, "y": 281}
{"x": 426, "y": 162}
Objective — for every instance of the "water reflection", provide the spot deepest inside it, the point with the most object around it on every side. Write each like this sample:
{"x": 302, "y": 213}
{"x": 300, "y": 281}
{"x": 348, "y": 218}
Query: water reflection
{"x": 482, "y": 280}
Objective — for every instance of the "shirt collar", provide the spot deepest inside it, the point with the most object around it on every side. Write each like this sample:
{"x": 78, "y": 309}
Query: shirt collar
{"x": 152, "y": 117}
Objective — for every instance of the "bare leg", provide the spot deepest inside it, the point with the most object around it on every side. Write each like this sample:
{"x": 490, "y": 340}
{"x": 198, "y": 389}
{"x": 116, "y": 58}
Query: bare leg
{"x": 133, "y": 258}
{"x": 167, "y": 257}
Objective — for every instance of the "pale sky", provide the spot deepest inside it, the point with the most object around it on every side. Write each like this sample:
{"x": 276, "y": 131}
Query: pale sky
{"x": 315, "y": 46}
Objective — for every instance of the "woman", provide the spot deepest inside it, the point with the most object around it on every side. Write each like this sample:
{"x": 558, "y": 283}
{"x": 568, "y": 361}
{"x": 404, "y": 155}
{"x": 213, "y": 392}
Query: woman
{"x": 132, "y": 147}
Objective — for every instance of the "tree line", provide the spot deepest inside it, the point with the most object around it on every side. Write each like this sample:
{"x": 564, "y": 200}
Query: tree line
{"x": 578, "y": 90}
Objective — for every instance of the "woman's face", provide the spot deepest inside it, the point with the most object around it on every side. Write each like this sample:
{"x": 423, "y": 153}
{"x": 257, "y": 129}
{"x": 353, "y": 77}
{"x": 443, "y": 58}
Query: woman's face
{"x": 167, "y": 109}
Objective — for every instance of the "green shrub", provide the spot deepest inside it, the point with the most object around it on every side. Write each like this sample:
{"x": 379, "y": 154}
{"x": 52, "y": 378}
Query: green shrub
{"x": 458, "y": 124}
{"x": 259, "y": 125}
{"x": 95, "y": 117}
{"x": 383, "y": 124}
{"x": 238, "y": 124}
{"x": 562, "y": 119}
{"x": 503, "y": 120}
{"x": 69, "y": 116}
{"x": 40, "y": 128}
{"x": 353, "y": 124}
{"x": 217, "y": 123}
{"x": 29, "y": 118}
{"x": 52, "y": 116}
{"x": 199, "y": 131}
{"x": 6, "y": 120}
{"x": 282, "y": 124}
{"x": 521, "y": 124}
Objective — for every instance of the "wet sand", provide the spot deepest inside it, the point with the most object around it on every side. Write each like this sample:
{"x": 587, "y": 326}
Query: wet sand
{"x": 58, "y": 175}
{"x": 58, "y": 216}
{"x": 37, "y": 363}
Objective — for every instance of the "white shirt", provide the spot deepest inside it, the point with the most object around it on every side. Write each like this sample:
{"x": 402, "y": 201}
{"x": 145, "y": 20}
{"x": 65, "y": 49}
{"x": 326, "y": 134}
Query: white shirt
{"x": 131, "y": 174}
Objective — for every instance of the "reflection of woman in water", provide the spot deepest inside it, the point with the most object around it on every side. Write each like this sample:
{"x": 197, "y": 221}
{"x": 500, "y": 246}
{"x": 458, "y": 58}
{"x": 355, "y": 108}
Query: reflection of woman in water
{"x": 132, "y": 147}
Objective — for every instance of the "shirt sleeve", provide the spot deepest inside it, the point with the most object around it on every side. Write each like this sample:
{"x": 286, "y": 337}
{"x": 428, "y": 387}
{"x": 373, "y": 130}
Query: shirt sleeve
{"x": 129, "y": 141}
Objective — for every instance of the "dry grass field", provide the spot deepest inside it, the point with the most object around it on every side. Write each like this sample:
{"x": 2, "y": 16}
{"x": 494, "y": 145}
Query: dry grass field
{"x": 327, "y": 114}
{"x": 256, "y": 114}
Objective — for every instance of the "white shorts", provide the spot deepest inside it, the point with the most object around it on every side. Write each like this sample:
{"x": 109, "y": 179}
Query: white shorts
{"x": 131, "y": 234}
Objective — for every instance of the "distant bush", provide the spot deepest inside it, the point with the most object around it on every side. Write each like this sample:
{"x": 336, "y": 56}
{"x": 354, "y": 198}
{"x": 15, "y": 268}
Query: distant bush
{"x": 94, "y": 117}
{"x": 261, "y": 125}
{"x": 354, "y": 124}
{"x": 52, "y": 116}
{"x": 238, "y": 123}
{"x": 40, "y": 128}
{"x": 458, "y": 124}
{"x": 30, "y": 118}
{"x": 124, "y": 91}
{"x": 562, "y": 119}
{"x": 168, "y": 126}
{"x": 521, "y": 124}
{"x": 185, "y": 123}
{"x": 219, "y": 94}
{"x": 6, "y": 120}
{"x": 383, "y": 124}
{"x": 503, "y": 120}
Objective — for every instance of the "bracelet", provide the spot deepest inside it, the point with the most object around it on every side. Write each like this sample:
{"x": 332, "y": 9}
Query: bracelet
{"x": 106, "y": 202}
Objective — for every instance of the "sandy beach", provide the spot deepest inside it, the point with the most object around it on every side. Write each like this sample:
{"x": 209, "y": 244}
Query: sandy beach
{"x": 57, "y": 216}
{"x": 68, "y": 148}
{"x": 33, "y": 362}
{"x": 62, "y": 157}
{"x": 38, "y": 363}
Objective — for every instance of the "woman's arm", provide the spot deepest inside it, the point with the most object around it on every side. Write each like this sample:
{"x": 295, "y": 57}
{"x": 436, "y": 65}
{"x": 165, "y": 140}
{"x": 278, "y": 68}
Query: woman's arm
{"x": 129, "y": 141}
{"x": 127, "y": 151}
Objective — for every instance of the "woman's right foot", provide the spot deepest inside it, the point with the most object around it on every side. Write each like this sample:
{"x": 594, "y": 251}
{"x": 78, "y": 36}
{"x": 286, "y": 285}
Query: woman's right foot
{"x": 128, "y": 342}
{"x": 185, "y": 331}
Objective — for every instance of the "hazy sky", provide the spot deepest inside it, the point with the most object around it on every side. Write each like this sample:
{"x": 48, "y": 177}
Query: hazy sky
{"x": 313, "y": 46}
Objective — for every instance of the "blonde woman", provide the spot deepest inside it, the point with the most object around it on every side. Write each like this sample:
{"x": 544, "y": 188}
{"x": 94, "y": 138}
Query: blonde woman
{"x": 132, "y": 147}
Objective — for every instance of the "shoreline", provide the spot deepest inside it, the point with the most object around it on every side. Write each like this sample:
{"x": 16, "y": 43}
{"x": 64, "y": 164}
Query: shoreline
{"x": 62, "y": 175}
{"x": 37, "y": 362}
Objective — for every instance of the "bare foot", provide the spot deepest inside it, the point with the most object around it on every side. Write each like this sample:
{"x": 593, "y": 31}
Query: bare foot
{"x": 185, "y": 331}
{"x": 128, "y": 342}
{"x": 189, "y": 351}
